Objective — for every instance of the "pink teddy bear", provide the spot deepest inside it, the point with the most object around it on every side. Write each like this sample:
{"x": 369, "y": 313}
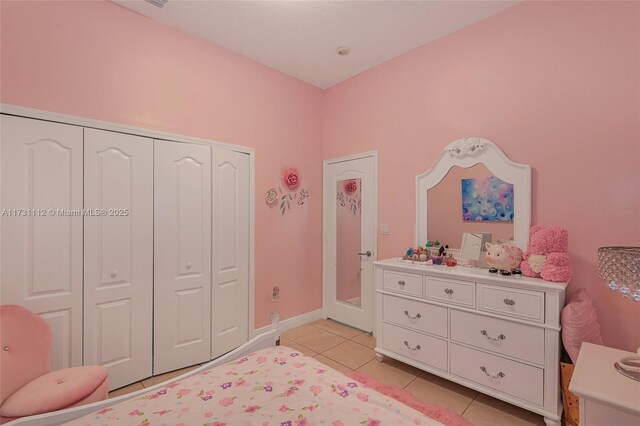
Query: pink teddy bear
{"x": 547, "y": 254}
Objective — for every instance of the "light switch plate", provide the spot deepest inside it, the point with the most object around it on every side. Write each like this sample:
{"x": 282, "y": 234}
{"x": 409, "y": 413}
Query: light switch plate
{"x": 384, "y": 229}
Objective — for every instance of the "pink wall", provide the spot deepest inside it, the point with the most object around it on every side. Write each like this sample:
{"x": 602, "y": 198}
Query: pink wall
{"x": 445, "y": 222}
{"x": 555, "y": 85}
{"x": 99, "y": 60}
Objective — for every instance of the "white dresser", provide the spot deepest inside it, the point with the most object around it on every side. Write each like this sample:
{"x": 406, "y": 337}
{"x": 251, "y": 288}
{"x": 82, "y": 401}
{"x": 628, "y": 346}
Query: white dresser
{"x": 495, "y": 334}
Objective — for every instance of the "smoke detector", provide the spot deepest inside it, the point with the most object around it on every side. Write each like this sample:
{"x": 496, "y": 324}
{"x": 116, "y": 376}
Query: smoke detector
{"x": 159, "y": 3}
{"x": 343, "y": 51}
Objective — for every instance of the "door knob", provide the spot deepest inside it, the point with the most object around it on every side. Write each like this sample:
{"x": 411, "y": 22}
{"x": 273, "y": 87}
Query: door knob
{"x": 367, "y": 253}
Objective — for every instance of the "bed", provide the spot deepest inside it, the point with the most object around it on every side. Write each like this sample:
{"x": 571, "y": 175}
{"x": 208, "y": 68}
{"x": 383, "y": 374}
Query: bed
{"x": 273, "y": 385}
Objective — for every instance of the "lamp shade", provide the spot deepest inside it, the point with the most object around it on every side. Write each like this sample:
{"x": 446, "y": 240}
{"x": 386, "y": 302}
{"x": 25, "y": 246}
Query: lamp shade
{"x": 619, "y": 267}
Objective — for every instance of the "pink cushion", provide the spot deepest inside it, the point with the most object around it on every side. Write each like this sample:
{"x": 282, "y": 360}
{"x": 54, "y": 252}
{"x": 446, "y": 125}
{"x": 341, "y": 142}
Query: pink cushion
{"x": 54, "y": 391}
{"x": 579, "y": 324}
{"x": 27, "y": 339}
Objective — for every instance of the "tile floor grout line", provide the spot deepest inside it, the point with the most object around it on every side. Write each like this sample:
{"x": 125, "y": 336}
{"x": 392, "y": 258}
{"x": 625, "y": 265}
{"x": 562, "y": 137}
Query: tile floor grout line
{"x": 305, "y": 347}
{"x": 319, "y": 329}
{"x": 352, "y": 369}
{"x": 303, "y": 335}
{"x": 413, "y": 380}
{"x": 465, "y": 410}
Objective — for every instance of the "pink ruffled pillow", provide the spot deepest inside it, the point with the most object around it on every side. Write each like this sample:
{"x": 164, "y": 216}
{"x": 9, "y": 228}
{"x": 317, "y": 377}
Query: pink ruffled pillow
{"x": 579, "y": 324}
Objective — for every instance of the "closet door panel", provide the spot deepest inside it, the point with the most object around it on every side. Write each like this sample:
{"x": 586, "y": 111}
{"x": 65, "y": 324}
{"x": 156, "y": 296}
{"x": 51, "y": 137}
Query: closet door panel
{"x": 63, "y": 353}
{"x": 118, "y": 248}
{"x": 230, "y": 299}
{"x": 41, "y": 242}
{"x": 182, "y": 255}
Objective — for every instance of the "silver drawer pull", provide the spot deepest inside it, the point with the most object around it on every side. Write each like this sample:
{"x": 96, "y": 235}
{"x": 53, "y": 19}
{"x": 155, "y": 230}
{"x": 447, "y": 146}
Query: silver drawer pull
{"x": 493, "y": 339}
{"x": 415, "y": 317}
{"x": 509, "y": 302}
{"x": 448, "y": 291}
{"x": 417, "y": 348}
{"x": 401, "y": 283}
{"x": 500, "y": 374}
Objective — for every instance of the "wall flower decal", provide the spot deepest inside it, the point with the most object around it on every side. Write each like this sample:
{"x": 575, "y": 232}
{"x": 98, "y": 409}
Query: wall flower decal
{"x": 350, "y": 195}
{"x": 304, "y": 194}
{"x": 289, "y": 195}
{"x": 350, "y": 186}
{"x": 291, "y": 178}
{"x": 271, "y": 196}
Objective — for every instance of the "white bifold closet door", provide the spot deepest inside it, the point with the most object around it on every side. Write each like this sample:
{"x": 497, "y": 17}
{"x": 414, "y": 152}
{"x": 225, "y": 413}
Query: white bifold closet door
{"x": 230, "y": 302}
{"x": 118, "y": 254}
{"x": 41, "y": 241}
{"x": 182, "y": 255}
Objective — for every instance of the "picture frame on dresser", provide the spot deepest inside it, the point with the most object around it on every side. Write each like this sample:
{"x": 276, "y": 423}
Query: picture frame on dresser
{"x": 499, "y": 335}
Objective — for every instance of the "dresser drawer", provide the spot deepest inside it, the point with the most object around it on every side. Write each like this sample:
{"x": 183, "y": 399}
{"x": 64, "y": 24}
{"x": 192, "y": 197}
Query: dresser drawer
{"x": 517, "y": 340}
{"x": 451, "y": 291}
{"x": 517, "y": 303}
{"x": 417, "y": 315}
{"x": 420, "y": 347}
{"x": 509, "y": 377}
{"x": 403, "y": 283}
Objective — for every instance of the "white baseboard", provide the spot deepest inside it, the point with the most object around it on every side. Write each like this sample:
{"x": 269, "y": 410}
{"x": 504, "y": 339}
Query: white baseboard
{"x": 291, "y": 322}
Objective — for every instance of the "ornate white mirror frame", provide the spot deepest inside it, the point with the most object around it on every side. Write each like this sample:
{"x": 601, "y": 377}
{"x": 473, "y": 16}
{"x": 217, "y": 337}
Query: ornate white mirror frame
{"x": 466, "y": 153}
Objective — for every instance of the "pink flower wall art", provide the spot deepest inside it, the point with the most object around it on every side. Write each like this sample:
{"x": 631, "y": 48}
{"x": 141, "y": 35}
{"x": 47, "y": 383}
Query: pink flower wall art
{"x": 291, "y": 178}
{"x": 349, "y": 194}
{"x": 291, "y": 193}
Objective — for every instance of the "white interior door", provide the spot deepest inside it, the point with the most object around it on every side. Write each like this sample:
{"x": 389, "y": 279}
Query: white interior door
{"x": 230, "y": 299}
{"x": 182, "y": 255}
{"x": 118, "y": 255}
{"x": 41, "y": 241}
{"x": 349, "y": 240}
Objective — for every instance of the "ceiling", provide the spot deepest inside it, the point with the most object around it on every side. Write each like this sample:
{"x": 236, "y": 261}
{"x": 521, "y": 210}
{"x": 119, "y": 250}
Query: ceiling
{"x": 300, "y": 38}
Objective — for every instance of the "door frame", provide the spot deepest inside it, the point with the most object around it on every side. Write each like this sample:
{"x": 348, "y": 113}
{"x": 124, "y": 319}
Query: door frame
{"x": 37, "y": 114}
{"x": 325, "y": 216}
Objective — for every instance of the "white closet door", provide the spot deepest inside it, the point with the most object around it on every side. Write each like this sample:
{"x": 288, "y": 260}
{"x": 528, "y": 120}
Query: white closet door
{"x": 182, "y": 255}
{"x": 41, "y": 249}
{"x": 230, "y": 299}
{"x": 118, "y": 254}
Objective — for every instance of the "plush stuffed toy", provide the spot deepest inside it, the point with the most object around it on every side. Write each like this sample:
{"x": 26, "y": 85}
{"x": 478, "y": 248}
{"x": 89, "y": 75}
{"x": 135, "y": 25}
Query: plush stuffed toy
{"x": 547, "y": 254}
{"x": 504, "y": 256}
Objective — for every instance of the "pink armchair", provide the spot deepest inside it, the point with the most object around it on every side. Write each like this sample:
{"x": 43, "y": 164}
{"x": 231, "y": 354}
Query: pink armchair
{"x": 27, "y": 386}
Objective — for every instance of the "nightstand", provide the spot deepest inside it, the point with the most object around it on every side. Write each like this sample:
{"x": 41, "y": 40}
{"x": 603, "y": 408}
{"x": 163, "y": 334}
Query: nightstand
{"x": 606, "y": 396}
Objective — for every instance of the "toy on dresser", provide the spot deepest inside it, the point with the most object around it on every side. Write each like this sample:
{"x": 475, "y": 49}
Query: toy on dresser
{"x": 417, "y": 255}
{"x": 503, "y": 256}
{"x": 431, "y": 254}
{"x": 547, "y": 254}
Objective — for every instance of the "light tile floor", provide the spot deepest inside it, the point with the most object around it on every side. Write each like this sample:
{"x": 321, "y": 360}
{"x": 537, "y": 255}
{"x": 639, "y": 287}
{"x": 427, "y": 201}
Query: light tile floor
{"x": 347, "y": 349}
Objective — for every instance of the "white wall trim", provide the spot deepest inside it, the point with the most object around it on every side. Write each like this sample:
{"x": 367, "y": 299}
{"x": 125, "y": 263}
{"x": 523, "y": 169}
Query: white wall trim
{"x": 156, "y": 134}
{"x": 292, "y": 322}
{"x": 252, "y": 242}
{"x": 353, "y": 157}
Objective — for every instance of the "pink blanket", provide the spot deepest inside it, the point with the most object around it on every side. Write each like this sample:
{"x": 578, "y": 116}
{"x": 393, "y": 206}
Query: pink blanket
{"x": 275, "y": 386}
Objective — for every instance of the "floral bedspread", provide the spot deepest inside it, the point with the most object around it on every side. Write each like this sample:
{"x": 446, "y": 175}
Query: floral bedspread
{"x": 272, "y": 387}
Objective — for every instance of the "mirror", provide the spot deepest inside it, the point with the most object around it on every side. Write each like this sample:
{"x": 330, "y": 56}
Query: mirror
{"x": 470, "y": 200}
{"x": 348, "y": 232}
{"x": 473, "y": 187}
